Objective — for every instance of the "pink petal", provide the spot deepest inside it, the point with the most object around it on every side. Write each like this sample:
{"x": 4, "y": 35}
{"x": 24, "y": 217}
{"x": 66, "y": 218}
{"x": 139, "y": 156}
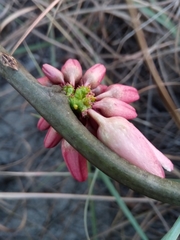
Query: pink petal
{"x": 110, "y": 107}
{"x": 99, "y": 89}
{"x": 42, "y": 124}
{"x": 52, "y": 138}
{"x": 94, "y": 75}
{"x": 75, "y": 162}
{"x": 44, "y": 81}
{"x": 72, "y": 71}
{"x": 128, "y": 142}
{"x": 53, "y": 74}
{"x": 164, "y": 161}
{"x": 124, "y": 93}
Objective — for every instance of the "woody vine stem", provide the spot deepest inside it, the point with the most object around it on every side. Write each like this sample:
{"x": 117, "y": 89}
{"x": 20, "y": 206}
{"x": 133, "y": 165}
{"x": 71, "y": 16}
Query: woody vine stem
{"x": 52, "y": 104}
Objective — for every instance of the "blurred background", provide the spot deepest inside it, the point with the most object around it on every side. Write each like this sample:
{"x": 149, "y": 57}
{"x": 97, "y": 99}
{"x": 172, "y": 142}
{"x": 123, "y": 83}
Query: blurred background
{"x": 116, "y": 34}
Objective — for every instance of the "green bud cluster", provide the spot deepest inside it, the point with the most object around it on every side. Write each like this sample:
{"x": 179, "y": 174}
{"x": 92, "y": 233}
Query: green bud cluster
{"x": 80, "y": 98}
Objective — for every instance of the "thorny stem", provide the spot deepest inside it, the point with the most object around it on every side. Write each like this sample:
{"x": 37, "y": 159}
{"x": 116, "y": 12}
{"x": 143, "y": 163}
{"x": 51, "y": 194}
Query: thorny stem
{"x": 53, "y": 105}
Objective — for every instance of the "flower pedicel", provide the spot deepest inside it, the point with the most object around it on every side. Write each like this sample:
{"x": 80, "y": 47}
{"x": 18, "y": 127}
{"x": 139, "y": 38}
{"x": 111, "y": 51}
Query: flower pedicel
{"x": 104, "y": 111}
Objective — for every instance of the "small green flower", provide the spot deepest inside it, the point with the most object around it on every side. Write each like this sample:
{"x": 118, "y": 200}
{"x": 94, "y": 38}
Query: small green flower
{"x": 80, "y": 99}
{"x": 69, "y": 89}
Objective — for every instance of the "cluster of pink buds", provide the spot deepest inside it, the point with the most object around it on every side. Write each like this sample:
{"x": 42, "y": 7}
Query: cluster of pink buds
{"x": 104, "y": 111}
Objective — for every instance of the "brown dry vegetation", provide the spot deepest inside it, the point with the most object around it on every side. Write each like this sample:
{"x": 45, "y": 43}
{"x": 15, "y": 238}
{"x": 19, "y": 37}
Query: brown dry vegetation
{"x": 138, "y": 42}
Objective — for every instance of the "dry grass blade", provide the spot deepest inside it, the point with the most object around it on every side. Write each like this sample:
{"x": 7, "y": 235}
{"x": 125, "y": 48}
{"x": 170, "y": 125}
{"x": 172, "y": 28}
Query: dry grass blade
{"x": 23, "y": 195}
{"x": 34, "y": 174}
{"x": 145, "y": 89}
{"x": 41, "y": 16}
{"x": 150, "y": 63}
{"x": 15, "y": 15}
{"x": 5, "y": 10}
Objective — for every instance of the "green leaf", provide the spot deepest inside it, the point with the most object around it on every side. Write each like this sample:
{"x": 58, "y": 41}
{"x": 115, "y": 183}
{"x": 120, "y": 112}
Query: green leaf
{"x": 123, "y": 206}
{"x": 174, "y": 232}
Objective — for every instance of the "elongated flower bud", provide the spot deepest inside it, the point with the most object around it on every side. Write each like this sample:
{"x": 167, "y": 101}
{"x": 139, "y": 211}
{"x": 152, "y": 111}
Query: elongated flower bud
{"x": 124, "y": 93}
{"x": 53, "y": 74}
{"x": 75, "y": 162}
{"x": 72, "y": 71}
{"x": 94, "y": 75}
{"x": 128, "y": 142}
{"x": 110, "y": 107}
{"x": 42, "y": 124}
{"x": 52, "y": 138}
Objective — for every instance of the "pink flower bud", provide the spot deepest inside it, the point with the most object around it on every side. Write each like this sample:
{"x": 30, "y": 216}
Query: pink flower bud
{"x": 124, "y": 93}
{"x": 54, "y": 75}
{"x": 42, "y": 124}
{"x": 94, "y": 75}
{"x": 44, "y": 81}
{"x": 52, "y": 138}
{"x": 72, "y": 71}
{"x": 76, "y": 163}
{"x": 128, "y": 142}
{"x": 110, "y": 107}
{"x": 99, "y": 89}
